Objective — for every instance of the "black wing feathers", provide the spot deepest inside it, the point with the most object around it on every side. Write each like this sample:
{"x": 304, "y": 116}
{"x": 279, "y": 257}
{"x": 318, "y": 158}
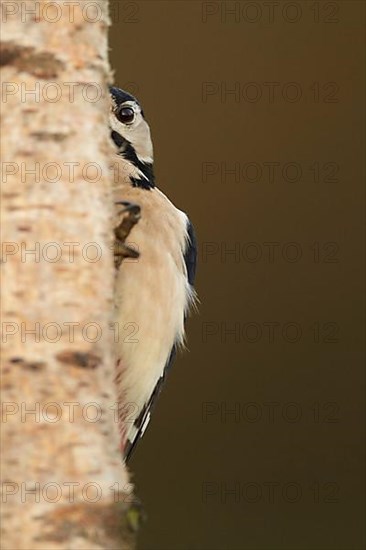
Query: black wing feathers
{"x": 190, "y": 255}
{"x": 141, "y": 419}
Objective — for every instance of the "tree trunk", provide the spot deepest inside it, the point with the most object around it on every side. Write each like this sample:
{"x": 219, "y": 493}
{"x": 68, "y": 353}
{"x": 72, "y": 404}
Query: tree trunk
{"x": 64, "y": 486}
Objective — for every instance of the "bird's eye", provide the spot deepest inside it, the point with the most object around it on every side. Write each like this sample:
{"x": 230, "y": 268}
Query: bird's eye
{"x": 125, "y": 115}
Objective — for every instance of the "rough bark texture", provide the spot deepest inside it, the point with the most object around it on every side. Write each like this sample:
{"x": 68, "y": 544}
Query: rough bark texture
{"x": 63, "y": 482}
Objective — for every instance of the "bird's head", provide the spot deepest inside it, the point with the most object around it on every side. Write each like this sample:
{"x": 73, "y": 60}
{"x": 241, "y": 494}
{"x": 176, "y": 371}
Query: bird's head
{"x": 131, "y": 134}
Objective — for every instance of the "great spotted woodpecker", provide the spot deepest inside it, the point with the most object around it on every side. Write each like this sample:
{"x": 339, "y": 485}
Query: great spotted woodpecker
{"x": 153, "y": 293}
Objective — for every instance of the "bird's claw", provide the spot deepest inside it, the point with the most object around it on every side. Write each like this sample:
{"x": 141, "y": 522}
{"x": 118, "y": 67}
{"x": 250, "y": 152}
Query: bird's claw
{"x": 131, "y": 215}
{"x": 130, "y": 207}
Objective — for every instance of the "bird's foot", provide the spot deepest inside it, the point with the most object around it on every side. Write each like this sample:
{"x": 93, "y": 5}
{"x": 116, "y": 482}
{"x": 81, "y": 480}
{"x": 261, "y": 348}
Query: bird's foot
{"x": 131, "y": 214}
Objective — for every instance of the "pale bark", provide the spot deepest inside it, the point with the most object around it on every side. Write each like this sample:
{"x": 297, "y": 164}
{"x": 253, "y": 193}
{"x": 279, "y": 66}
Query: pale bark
{"x": 59, "y": 444}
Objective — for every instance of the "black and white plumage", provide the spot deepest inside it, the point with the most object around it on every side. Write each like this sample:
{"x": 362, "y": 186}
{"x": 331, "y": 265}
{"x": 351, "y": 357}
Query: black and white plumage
{"x": 156, "y": 291}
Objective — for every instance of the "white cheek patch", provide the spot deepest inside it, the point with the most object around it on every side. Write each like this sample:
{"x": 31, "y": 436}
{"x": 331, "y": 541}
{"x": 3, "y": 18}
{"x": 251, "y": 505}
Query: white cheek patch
{"x": 138, "y": 134}
{"x": 141, "y": 141}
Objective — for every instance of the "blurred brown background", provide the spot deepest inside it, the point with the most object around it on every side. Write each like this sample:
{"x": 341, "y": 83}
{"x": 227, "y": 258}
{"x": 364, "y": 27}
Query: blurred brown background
{"x": 256, "y": 110}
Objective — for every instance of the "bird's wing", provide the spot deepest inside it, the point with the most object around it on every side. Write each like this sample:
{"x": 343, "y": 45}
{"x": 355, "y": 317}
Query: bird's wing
{"x": 142, "y": 421}
{"x": 190, "y": 255}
